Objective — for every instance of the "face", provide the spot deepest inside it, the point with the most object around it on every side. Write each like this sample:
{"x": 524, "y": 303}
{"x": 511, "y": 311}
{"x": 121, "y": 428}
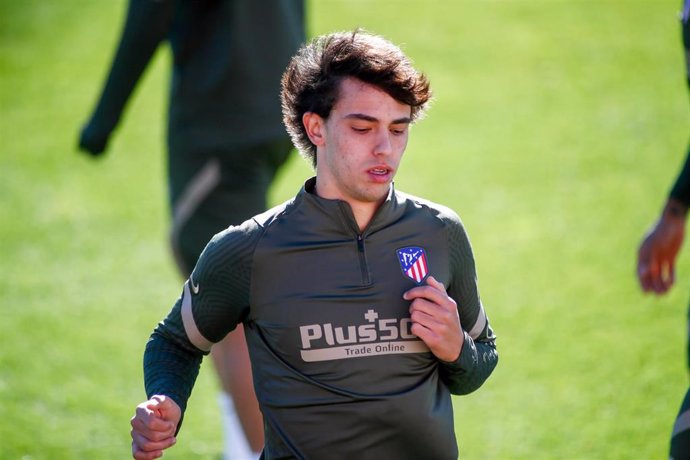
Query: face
{"x": 360, "y": 145}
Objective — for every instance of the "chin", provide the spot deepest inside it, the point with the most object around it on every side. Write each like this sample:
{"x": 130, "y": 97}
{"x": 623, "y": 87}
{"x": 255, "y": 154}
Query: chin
{"x": 375, "y": 193}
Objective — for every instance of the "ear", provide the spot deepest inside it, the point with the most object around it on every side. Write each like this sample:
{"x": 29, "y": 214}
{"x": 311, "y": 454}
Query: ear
{"x": 315, "y": 128}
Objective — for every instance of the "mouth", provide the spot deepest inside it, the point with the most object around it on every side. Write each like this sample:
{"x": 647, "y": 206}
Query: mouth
{"x": 380, "y": 173}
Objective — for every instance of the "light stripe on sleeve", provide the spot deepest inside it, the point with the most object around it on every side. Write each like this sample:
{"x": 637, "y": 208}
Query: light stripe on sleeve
{"x": 479, "y": 325}
{"x": 193, "y": 334}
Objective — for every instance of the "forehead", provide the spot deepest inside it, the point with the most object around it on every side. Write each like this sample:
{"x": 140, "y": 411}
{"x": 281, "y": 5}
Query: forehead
{"x": 358, "y": 97}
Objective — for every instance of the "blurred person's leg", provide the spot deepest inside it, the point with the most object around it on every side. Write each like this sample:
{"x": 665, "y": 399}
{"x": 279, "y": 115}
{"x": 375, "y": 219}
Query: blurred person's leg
{"x": 243, "y": 429}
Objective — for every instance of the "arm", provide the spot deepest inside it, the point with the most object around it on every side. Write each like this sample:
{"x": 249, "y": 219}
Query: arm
{"x": 146, "y": 26}
{"x": 478, "y": 356}
{"x": 214, "y": 300}
{"x": 656, "y": 257}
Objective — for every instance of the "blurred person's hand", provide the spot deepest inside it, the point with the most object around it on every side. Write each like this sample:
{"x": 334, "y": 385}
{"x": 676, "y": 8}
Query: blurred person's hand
{"x": 92, "y": 140}
{"x": 656, "y": 258}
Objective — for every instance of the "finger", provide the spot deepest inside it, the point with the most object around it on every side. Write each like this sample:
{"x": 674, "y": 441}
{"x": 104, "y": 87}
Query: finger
{"x": 165, "y": 408}
{"x": 652, "y": 275}
{"x": 153, "y": 428}
{"x": 643, "y": 276}
{"x": 437, "y": 319}
{"x": 658, "y": 277}
{"x": 431, "y": 315}
{"x": 425, "y": 313}
{"x": 442, "y": 307}
{"x": 144, "y": 444}
{"x": 437, "y": 343}
{"x": 667, "y": 277}
{"x": 428, "y": 291}
{"x": 431, "y": 281}
{"x": 158, "y": 403}
{"x": 647, "y": 266}
{"x": 141, "y": 455}
{"x": 440, "y": 325}
{"x": 151, "y": 425}
{"x": 671, "y": 276}
{"x": 421, "y": 331}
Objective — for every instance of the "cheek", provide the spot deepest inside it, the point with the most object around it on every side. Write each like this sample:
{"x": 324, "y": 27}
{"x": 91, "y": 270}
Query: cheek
{"x": 400, "y": 144}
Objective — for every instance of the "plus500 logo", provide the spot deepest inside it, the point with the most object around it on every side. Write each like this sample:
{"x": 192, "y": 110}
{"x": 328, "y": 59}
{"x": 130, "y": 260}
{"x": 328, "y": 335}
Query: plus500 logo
{"x": 376, "y": 330}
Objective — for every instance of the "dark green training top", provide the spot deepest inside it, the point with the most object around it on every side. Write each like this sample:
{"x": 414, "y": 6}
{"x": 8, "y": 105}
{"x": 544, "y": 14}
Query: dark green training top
{"x": 337, "y": 371}
{"x": 681, "y": 188}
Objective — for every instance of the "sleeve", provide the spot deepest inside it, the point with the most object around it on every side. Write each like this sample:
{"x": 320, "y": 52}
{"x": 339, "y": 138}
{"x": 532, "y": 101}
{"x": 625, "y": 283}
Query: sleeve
{"x": 479, "y": 356}
{"x": 146, "y": 25}
{"x": 214, "y": 300}
{"x": 681, "y": 187}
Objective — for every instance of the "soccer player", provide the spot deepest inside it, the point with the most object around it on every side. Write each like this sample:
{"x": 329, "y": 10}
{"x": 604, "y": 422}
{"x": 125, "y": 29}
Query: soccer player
{"x": 657, "y": 257}
{"x": 359, "y": 302}
{"x": 225, "y": 140}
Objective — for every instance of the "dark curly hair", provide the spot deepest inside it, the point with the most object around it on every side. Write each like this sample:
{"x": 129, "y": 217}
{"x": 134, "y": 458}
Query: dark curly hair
{"x": 311, "y": 80}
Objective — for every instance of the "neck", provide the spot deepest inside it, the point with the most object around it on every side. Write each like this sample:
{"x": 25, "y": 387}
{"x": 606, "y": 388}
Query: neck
{"x": 363, "y": 213}
{"x": 362, "y": 210}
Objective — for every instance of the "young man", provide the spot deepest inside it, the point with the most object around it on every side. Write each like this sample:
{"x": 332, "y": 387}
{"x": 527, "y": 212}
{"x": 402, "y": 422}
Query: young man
{"x": 225, "y": 140}
{"x": 360, "y": 303}
{"x": 658, "y": 252}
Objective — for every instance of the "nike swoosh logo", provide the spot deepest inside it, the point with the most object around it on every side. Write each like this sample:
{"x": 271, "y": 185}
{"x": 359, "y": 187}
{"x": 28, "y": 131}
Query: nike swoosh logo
{"x": 195, "y": 287}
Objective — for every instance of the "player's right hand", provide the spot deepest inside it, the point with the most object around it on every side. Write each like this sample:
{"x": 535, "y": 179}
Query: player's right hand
{"x": 154, "y": 426}
{"x": 91, "y": 141}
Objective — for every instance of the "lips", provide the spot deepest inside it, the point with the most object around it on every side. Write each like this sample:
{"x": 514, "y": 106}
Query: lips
{"x": 380, "y": 173}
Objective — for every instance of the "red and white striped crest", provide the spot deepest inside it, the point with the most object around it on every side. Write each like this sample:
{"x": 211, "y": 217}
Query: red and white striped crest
{"x": 413, "y": 263}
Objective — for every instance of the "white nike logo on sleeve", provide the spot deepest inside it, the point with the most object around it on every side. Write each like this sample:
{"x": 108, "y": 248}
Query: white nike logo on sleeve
{"x": 195, "y": 287}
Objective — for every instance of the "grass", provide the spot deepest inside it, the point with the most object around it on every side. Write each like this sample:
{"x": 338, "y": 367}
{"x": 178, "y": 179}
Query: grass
{"x": 557, "y": 129}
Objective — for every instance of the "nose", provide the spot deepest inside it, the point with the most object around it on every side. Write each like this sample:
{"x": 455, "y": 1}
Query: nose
{"x": 384, "y": 145}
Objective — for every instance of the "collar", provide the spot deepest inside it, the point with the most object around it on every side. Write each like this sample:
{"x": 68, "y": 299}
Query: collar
{"x": 340, "y": 213}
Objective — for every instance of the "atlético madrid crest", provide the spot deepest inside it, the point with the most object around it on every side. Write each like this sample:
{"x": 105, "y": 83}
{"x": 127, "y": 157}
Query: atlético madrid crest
{"x": 413, "y": 263}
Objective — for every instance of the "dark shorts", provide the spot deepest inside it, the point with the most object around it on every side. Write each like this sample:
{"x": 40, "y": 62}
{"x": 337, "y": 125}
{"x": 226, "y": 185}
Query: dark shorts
{"x": 209, "y": 192}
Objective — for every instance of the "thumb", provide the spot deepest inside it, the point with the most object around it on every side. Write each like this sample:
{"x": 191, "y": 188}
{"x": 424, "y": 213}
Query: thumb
{"x": 164, "y": 407}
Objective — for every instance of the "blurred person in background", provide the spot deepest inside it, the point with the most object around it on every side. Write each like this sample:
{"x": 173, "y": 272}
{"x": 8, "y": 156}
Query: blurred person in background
{"x": 225, "y": 140}
{"x": 658, "y": 252}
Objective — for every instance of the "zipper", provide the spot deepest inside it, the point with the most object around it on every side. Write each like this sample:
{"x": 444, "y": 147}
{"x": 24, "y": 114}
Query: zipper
{"x": 363, "y": 266}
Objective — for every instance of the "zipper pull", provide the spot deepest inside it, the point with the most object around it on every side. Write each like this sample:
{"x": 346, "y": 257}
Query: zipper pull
{"x": 360, "y": 243}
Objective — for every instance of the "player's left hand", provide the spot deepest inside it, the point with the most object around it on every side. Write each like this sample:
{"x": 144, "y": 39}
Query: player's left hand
{"x": 435, "y": 319}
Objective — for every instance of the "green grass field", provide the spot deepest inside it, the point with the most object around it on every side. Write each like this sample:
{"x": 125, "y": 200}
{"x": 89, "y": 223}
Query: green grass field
{"x": 556, "y": 131}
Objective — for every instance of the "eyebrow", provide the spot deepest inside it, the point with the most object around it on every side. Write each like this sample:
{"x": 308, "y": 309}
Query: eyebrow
{"x": 364, "y": 117}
